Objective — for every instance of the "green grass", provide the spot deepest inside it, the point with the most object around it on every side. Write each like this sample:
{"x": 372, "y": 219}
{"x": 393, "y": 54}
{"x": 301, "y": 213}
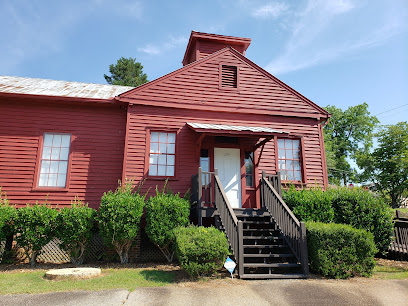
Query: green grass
{"x": 386, "y": 272}
{"x": 130, "y": 279}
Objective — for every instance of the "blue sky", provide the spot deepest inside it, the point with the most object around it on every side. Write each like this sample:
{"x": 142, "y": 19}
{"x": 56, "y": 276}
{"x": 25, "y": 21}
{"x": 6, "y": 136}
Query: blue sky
{"x": 337, "y": 52}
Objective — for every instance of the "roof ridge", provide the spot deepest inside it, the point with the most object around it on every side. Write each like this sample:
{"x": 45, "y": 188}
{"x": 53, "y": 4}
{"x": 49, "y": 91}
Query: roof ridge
{"x": 42, "y": 79}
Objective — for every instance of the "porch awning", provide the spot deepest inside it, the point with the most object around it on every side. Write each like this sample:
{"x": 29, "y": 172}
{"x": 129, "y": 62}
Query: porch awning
{"x": 235, "y": 129}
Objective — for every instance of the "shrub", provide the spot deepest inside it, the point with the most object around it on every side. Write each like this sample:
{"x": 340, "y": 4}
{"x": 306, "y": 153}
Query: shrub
{"x": 357, "y": 207}
{"x": 34, "y": 227}
{"x": 340, "y": 251}
{"x": 119, "y": 218}
{"x": 74, "y": 229}
{"x": 200, "y": 250}
{"x": 6, "y": 216}
{"x": 361, "y": 209}
{"x": 310, "y": 205}
{"x": 164, "y": 213}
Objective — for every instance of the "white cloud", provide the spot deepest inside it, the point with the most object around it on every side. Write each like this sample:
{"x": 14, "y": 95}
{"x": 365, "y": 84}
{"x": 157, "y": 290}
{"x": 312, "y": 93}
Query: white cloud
{"x": 149, "y": 49}
{"x": 173, "y": 42}
{"x": 327, "y": 30}
{"x": 272, "y": 10}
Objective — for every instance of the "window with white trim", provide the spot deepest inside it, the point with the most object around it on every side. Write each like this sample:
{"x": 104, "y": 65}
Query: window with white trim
{"x": 289, "y": 159}
{"x": 162, "y": 157}
{"x": 54, "y": 160}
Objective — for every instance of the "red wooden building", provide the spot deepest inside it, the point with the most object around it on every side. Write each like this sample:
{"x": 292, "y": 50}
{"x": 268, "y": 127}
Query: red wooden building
{"x": 219, "y": 111}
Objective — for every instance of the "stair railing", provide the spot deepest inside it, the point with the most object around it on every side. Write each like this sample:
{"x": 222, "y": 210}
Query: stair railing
{"x": 293, "y": 231}
{"x": 232, "y": 226}
{"x": 202, "y": 192}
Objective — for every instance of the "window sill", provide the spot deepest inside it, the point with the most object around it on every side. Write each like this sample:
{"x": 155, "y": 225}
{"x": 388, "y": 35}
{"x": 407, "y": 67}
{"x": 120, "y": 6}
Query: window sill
{"x": 162, "y": 178}
{"x": 47, "y": 189}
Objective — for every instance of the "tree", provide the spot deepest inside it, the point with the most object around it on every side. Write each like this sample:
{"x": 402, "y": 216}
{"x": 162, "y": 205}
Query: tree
{"x": 388, "y": 163}
{"x": 126, "y": 72}
{"x": 347, "y": 134}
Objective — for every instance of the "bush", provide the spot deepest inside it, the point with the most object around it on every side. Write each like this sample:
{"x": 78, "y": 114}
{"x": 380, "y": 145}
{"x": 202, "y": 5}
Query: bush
{"x": 310, "y": 204}
{"x": 6, "y": 216}
{"x": 74, "y": 229}
{"x": 361, "y": 209}
{"x": 200, "y": 250}
{"x": 164, "y": 213}
{"x": 34, "y": 227}
{"x": 119, "y": 218}
{"x": 357, "y": 207}
{"x": 340, "y": 251}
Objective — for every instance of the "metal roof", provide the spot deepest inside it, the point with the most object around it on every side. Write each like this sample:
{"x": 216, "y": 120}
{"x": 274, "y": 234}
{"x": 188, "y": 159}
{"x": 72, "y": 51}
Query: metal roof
{"x": 234, "y": 128}
{"x": 33, "y": 86}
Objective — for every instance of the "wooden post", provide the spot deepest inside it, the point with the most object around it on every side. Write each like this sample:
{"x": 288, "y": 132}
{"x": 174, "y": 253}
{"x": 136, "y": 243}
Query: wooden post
{"x": 263, "y": 189}
{"x": 303, "y": 249}
{"x": 278, "y": 183}
{"x": 240, "y": 255}
{"x": 200, "y": 197}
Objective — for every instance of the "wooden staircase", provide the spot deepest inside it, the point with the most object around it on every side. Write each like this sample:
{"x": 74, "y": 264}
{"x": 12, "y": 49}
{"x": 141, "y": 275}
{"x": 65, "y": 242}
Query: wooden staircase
{"x": 266, "y": 254}
{"x": 267, "y": 243}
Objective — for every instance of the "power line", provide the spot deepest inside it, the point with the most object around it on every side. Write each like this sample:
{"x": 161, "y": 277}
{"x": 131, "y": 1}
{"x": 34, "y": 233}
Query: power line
{"x": 391, "y": 109}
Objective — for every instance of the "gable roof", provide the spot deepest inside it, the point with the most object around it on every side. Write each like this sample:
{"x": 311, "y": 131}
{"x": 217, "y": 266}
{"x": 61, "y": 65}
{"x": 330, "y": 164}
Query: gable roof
{"x": 46, "y": 87}
{"x": 127, "y": 96}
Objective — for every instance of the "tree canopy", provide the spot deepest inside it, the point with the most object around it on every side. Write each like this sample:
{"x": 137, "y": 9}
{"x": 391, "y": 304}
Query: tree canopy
{"x": 347, "y": 134}
{"x": 387, "y": 165}
{"x": 126, "y": 72}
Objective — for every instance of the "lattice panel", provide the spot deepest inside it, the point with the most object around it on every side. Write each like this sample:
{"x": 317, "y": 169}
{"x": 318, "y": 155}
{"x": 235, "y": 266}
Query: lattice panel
{"x": 51, "y": 253}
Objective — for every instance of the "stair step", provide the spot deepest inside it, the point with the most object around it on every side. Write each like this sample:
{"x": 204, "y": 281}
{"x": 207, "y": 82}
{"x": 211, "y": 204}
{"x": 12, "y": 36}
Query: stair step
{"x": 261, "y": 237}
{"x": 258, "y": 222}
{"x": 258, "y": 246}
{"x": 271, "y": 265}
{"x": 272, "y": 276}
{"x": 254, "y": 230}
{"x": 268, "y": 255}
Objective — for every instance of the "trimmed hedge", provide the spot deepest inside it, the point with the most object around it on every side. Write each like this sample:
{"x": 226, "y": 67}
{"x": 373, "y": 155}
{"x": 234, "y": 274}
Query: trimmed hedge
{"x": 357, "y": 207}
{"x": 74, "y": 229}
{"x": 119, "y": 218}
{"x": 200, "y": 250}
{"x": 340, "y": 251}
{"x": 34, "y": 227}
{"x": 310, "y": 204}
{"x": 164, "y": 213}
{"x": 361, "y": 209}
{"x": 7, "y": 213}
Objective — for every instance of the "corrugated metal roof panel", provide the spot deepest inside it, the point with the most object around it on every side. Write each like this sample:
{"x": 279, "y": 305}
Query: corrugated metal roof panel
{"x": 237, "y": 128}
{"x": 34, "y": 86}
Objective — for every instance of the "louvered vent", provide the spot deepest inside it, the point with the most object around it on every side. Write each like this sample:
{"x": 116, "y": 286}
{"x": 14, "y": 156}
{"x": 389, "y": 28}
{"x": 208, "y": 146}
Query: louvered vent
{"x": 229, "y": 76}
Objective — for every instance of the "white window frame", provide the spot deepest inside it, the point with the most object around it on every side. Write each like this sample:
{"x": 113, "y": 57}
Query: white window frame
{"x": 162, "y": 154}
{"x": 287, "y": 157}
{"x": 54, "y": 162}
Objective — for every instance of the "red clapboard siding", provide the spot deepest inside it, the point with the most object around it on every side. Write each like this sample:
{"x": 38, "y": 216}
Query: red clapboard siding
{"x": 97, "y": 148}
{"x": 142, "y": 118}
{"x": 196, "y": 87}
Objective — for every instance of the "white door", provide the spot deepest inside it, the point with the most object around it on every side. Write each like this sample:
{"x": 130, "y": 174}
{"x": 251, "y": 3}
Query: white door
{"x": 228, "y": 163}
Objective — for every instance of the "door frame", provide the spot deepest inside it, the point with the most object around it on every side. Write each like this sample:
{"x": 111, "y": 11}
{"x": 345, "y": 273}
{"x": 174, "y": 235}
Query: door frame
{"x": 239, "y": 178}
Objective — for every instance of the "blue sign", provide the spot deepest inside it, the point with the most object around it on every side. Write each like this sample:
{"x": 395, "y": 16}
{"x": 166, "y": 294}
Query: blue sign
{"x": 230, "y": 265}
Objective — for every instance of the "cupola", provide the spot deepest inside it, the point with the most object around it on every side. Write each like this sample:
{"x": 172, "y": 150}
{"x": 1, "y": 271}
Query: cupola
{"x": 202, "y": 44}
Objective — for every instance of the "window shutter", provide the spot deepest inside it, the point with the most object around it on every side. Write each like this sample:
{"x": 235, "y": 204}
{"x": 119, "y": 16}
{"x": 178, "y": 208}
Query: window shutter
{"x": 229, "y": 76}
